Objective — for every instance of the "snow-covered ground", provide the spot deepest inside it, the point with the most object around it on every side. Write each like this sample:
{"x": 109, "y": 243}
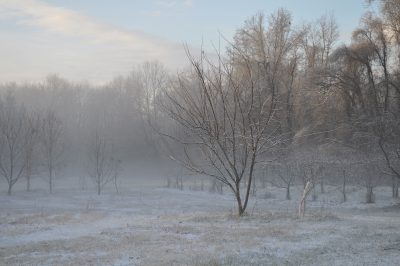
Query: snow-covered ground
{"x": 148, "y": 224}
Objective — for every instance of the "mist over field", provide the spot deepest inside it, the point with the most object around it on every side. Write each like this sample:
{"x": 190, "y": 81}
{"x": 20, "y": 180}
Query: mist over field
{"x": 275, "y": 142}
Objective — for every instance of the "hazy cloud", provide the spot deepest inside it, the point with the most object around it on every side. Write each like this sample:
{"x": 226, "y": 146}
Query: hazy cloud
{"x": 188, "y": 3}
{"x": 121, "y": 48}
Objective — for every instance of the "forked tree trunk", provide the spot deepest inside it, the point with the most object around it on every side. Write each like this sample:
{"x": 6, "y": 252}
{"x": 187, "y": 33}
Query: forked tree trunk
{"x": 239, "y": 202}
{"x": 251, "y": 171}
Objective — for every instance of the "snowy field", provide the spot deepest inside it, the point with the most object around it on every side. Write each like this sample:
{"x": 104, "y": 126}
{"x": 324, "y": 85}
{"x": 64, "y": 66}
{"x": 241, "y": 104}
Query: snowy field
{"x": 148, "y": 224}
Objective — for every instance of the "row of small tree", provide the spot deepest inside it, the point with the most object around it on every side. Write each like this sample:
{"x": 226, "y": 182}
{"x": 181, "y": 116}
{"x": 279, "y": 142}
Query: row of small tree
{"x": 23, "y": 135}
{"x": 367, "y": 173}
{"x": 32, "y": 142}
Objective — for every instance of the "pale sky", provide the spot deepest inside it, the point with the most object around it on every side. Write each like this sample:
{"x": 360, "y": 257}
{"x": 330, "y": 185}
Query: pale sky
{"x": 96, "y": 40}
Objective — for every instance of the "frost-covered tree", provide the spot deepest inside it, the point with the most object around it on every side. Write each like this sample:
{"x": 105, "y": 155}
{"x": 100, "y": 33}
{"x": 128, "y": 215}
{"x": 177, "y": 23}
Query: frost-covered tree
{"x": 226, "y": 119}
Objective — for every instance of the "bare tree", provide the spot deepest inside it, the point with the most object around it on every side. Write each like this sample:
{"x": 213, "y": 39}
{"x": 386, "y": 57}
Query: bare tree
{"x": 389, "y": 145}
{"x": 228, "y": 118}
{"x": 275, "y": 48}
{"x": 343, "y": 165}
{"x": 312, "y": 173}
{"x": 51, "y": 139}
{"x": 370, "y": 178}
{"x": 309, "y": 168}
{"x": 302, "y": 205}
{"x": 216, "y": 186}
{"x": 286, "y": 174}
{"x": 367, "y": 76}
{"x": 32, "y": 134}
{"x": 12, "y": 142}
{"x": 103, "y": 166}
{"x": 147, "y": 81}
{"x": 390, "y": 10}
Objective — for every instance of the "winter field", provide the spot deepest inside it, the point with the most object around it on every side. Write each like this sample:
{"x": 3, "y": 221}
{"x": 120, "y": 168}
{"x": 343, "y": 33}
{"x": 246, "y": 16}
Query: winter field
{"x": 149, "y": 224}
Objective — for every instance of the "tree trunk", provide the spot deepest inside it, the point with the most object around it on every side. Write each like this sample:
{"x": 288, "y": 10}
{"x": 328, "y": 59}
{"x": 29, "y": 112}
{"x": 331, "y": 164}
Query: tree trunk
{"x": 370, "y": 197}
{"x": 263, "y": 180}
{"x": 116, "y": 185}
{"x": 254, "y": 189}
{"x": 9, "y": 189}
{"x": 288, "y": 192}
{"x": 51, "y": 181}
{"x": 314, "y": 194}
{"x": 28, "y": 183}
{"x": 395, "y": 187}
{"x": 241, "y": 208}
{"x": 344, "y": 187}
{"x": 220, "y": 188}
{"x": 302, "y": 205}
{"x": 98, "y": 189}
{"x": 322, "y": 186}
{"x": 246, "y": 200}
{"x": 239, "y": 202}
{"x": 28, "y": 175}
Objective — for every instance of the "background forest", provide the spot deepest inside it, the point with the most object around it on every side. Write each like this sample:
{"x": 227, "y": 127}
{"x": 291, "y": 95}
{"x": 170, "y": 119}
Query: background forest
{"x": 281, "y": 104}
